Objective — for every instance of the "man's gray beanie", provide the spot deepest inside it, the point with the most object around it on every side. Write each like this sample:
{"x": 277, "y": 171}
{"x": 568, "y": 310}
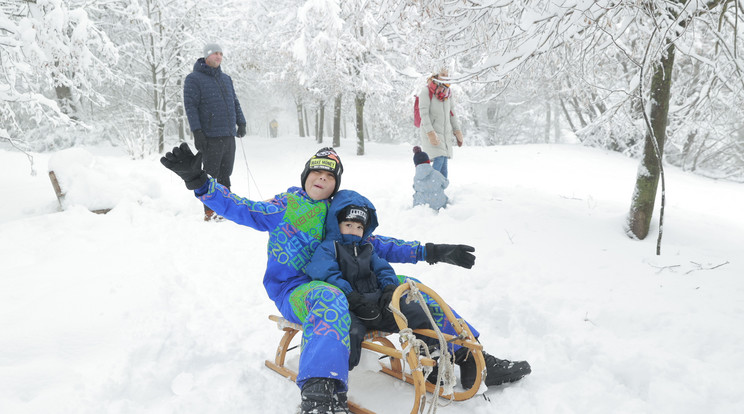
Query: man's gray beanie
{"x": 211, "y": 48}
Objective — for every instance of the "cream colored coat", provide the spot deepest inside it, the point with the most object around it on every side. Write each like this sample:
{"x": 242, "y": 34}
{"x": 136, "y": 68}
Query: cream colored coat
{"x": 435, "y": 116}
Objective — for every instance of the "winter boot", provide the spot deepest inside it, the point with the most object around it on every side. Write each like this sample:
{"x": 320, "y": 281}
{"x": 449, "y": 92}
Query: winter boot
{"x": 209, "y": 214}
{"x": 318, "y": 397}
{"x": 341, "y": 403}
{"x": 498, "y": 371}
{"x": 435, "y": 355}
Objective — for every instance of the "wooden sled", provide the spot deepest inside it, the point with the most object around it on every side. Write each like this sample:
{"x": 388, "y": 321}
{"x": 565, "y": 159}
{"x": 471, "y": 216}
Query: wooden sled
{"x": 377, "y": 341}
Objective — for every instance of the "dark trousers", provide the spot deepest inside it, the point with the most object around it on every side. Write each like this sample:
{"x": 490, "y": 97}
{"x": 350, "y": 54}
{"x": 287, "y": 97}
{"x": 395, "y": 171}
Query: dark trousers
{"x": 218, "y": 157}
{"x": 417, "y": 319}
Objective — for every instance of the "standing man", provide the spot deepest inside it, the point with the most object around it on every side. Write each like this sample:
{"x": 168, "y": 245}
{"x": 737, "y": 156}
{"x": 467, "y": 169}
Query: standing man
{"x": 213, "y": 111}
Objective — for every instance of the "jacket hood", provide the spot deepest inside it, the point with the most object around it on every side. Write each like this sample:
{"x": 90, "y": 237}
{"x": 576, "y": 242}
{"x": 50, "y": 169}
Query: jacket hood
{"x": 341, "y": 200}
{"x": 423, "y": 171}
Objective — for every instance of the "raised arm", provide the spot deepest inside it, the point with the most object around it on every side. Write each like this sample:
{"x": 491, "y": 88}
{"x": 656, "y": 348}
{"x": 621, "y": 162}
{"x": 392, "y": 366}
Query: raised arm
{"x": 400, "y": 251}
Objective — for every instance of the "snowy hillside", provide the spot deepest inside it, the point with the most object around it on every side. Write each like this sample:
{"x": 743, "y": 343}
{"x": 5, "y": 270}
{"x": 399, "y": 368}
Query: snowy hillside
{"x": 148, "y": 309}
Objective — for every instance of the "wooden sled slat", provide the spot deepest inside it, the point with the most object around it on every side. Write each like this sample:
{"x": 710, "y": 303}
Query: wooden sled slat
{"x": 378, "y": 342}
{"x": 61, "y": 195}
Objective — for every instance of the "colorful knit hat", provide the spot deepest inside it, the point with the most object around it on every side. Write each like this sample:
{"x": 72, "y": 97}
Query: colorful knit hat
{"x": 326, "y": 159}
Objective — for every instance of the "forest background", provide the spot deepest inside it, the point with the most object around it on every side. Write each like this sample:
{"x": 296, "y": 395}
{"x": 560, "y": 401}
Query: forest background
{"x": 643, "y": 78}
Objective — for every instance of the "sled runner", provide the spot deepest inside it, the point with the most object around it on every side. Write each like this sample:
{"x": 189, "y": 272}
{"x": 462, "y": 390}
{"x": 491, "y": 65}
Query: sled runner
{"x": 408, "y": 353}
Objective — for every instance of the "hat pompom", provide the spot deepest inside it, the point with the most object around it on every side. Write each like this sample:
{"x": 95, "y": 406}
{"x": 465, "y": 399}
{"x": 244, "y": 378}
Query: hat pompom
{"x": 416, "y": 149}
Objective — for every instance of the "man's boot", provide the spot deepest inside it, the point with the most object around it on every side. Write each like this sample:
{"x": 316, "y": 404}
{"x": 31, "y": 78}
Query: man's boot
{"x": 208, "y": 214}
{"x": 498, "y": 371}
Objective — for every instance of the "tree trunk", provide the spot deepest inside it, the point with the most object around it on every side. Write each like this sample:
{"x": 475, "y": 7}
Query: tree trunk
{"x": 556, "y": 127}
{"x": 566, "y": 114}
{"x": 321, "y": 116}
{"x": 577, "y": 109}
{"x": 300, "y": 118}
{"x": 64, "y": 100}
{"x": 181, "y": 116}
{"x": 180, "y": 111}
{"x": 337, "y": 121}
{"x": 547, "y": 122}
{"x": 647, "y": 181}
{"x": 307, "y": 120}
{"x": 359, "y": 104}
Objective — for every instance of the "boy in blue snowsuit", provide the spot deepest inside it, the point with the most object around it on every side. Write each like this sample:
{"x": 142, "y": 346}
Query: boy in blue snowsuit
{"x": 348, "y": 261}
{"x": 295, "y": 221}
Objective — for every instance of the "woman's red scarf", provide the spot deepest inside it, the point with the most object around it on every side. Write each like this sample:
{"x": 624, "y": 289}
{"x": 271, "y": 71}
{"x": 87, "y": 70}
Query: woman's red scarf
{"x": 439, "y": 90}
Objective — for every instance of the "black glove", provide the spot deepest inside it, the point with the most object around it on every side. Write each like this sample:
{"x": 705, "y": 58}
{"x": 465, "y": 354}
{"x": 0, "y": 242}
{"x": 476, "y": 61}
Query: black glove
{"x": 456, "y": 254}
{"x": 199, "y": 138}
{"x": 365, "y": 310}
{"x": 241, "y": 130}
{"x": 187, "y": 165}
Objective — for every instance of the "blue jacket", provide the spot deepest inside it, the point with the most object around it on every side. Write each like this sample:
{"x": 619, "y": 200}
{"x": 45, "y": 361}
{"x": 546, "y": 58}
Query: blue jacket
{"x": 295, "y": 223}
{"x": 210, "y": 101}
{"x": 324, "y": 264}
{"x": 428, "y": 186}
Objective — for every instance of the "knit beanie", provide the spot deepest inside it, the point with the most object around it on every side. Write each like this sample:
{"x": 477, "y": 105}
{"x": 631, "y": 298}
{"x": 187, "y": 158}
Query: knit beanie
{"x": 419, "y": 157}
{"x": 325, "y": 159}
{"x": 359, "y": 214}
{"x": 211, "y": 48}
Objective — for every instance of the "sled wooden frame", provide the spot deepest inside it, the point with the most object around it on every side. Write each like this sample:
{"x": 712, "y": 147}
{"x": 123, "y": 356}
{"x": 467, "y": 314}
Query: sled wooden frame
{"x": 378, "y": 342}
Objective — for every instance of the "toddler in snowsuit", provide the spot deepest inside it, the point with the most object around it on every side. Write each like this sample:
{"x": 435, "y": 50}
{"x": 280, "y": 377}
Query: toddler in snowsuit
{"x": 428, "y": 183}
{"x": 346, "y": 260}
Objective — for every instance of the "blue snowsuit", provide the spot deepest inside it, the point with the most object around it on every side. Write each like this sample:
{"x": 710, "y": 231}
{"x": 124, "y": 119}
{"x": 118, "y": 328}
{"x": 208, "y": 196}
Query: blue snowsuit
{"x": 428, "y": 186}
{"x": 295, "y": 223}
{"x": 349, "y": 263}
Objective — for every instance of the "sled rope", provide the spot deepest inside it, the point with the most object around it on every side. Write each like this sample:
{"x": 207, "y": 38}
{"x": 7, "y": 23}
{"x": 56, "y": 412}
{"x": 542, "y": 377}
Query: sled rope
{"x": 446, "y": 372}
{"x": 250, "y": 175}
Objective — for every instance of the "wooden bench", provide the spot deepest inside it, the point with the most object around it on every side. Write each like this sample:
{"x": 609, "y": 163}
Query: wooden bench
{"x": 378, "y": 342}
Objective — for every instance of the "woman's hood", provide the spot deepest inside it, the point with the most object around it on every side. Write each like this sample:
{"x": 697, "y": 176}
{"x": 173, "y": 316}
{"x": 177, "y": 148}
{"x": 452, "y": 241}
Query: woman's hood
{"x": 341, "y": 200}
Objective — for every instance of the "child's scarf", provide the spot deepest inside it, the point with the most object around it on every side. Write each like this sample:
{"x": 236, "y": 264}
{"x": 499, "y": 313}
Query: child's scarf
{"x": 441, "y": 91}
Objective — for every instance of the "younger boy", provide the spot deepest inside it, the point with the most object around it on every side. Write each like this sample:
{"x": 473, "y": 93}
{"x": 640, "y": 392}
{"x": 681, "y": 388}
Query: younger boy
{"x": 428, "y": 183}
{"x": 347, "y": 260}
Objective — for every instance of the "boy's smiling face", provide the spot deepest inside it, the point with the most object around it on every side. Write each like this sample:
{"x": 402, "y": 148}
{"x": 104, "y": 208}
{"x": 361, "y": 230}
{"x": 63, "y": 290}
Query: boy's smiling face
{"x": 319, "y": 184}
{"x": 351, "y": 227}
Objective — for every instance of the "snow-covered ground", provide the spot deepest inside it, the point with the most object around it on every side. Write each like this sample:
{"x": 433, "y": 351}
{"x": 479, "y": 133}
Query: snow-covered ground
{"x": 148, "y": 309}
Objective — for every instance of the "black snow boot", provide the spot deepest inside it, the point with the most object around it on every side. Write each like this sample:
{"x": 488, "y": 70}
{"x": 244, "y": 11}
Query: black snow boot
{"x": 318, "y": 397}
{"x": 498, "y": 371}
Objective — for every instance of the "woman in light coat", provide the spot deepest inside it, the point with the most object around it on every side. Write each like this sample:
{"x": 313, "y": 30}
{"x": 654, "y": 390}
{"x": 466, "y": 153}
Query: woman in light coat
{"x": 438, "y": 121}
